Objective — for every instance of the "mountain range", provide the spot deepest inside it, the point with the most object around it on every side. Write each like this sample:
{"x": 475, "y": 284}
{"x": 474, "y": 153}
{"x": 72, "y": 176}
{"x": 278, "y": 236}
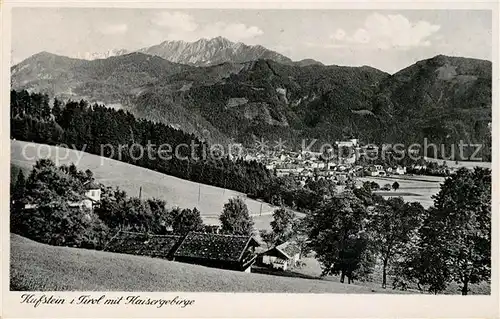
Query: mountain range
{"x": 101, "y": 55}
{"x": 242, "y": 93}
{"x": 203, "y": 52}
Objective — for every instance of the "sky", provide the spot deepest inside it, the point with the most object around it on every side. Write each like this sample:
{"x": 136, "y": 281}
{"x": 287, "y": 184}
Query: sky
{"x": 385, "y": 39}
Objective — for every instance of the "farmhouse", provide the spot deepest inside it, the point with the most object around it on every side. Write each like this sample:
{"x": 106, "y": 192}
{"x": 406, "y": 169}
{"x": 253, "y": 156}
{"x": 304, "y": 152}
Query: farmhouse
{"x": 89, "y": 201}
{"x": 158, "y": 246}
{"x": 282, "y": 256}
{"x": 220, "y": 251}
{"x": 92, "y": 194}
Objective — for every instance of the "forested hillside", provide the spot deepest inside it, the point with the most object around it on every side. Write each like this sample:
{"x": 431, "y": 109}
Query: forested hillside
{"x": 113, "y": 133}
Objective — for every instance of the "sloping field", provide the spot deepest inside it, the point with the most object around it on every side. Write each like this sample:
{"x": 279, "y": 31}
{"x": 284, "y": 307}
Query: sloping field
{"x": 175, "y": 191}
{"x": 417, "y": 188}
{"x": 41, "y": 267}
{"x": 459, "y": 164}
{"x": 420, "y": 188}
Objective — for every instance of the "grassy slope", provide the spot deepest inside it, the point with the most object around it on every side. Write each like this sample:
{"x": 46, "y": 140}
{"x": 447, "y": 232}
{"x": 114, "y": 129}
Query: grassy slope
{"x": 411, "y": 188}
{"x": 176, "y": 191}
{"x": 41, "y": 267}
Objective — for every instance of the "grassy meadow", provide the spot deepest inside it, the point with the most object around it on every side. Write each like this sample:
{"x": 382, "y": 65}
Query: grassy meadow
{"x": 40, "y": 267}
{"x": 416, "y": 188}
{"x": 175, "y": 191}
{"x": 459, "y": 164}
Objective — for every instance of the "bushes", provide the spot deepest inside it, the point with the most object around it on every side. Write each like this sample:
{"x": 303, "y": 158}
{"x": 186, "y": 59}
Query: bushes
{"x": 55, "y": 223}
{"x": 49, "y": 207}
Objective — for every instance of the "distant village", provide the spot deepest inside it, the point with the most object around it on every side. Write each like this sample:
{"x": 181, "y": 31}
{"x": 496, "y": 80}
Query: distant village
{"x": 304, "y": 165}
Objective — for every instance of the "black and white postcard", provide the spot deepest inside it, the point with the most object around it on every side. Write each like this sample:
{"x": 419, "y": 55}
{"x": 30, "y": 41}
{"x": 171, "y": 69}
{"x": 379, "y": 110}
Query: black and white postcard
{"x": 249, "y": 159}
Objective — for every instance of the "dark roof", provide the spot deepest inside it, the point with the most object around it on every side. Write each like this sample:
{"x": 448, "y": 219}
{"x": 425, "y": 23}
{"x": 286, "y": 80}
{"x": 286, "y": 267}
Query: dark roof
{"x": 88, "y": 185}
{"x": 285, "y": 250}
{"x": 143, "y": 244}
{"x": 289, "y": 248}
{"x": 214, "y": 246}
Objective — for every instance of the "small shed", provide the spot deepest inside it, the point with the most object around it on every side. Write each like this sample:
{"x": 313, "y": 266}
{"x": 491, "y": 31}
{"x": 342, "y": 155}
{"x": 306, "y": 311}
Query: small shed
{"x": 282, "y": 256}
{"x": 216, "y": 250}
{"x": 142, "y": 244}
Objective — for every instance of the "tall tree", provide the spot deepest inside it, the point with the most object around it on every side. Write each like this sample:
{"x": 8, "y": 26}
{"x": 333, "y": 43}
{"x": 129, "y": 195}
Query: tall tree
{"x": 395, "y": 186}
{"x": 56, "y": 108}
{"x": 392, "y": 226}
{"x": 455, "y": 241}
{"x": 235, "y": 218}
{"x": 17, "y": 196}
{"x": 301, "y": 229}
{"x": 338, "y": 237}
{"x": 48, "y": 181}
{"x": 282, "y": 225}
{"x": 267, "y": 237}
{"x": 186, "y": 220}
{"x": 162, "y": 219}
{"x": 19, "y": 188}
{"x": 111, "y": 207}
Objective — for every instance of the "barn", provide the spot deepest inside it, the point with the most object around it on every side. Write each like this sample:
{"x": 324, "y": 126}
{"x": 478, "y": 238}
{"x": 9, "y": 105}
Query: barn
{"x": 282, "y": 256}
{"x": 142, "y": 244}
{"x": 216, "y": 250}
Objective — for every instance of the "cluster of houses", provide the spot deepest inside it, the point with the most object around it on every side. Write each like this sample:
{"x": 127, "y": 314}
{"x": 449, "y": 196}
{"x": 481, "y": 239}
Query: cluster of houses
{"x": 229, "y": 252}
{"x": 308, "y": 164}
{"x": 337, "y": 163}
{"x": 340, "y": 168}
{"x": 379, "y": 170}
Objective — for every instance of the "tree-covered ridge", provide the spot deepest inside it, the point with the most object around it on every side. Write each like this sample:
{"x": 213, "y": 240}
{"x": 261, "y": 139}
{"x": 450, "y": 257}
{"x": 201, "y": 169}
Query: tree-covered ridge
{"x": 112, "y": 133}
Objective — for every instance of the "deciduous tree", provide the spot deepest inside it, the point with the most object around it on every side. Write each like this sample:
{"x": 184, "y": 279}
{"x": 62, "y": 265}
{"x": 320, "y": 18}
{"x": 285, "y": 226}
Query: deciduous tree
{"x": 282, "y": 225}
{"x": 235, "y": 218}
{"x": 395, "y": 186}
{"x": 186, "y": 220}
{"x": 392, "y": 225}
{"x": 456, "y": 235}
{"x": 337, "y": 235}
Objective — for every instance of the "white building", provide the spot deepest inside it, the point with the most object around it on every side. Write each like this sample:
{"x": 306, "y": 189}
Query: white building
{"x": 93, "y": 193}
{"x": 350, "y": 143}
{"x": 400, "y": 170}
